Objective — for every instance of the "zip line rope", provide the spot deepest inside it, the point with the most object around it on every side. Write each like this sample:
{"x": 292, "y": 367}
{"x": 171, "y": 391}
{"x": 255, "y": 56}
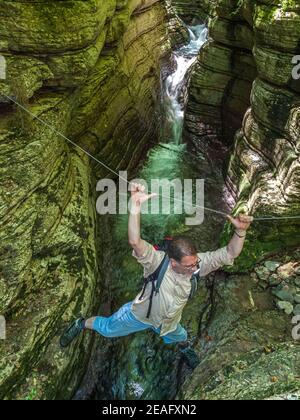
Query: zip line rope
{"x": 124, "y": 179}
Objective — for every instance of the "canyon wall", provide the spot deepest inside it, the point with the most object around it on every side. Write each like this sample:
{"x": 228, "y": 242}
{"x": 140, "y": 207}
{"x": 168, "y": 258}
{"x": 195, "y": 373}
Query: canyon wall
{"x": 194, "y": 10}
{"x": 90, "y": 70}
{"x": 242, "y": 93}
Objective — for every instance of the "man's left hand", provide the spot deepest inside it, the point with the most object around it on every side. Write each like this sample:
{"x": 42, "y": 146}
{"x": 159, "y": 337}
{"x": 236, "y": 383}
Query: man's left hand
{"x": 242, "y": 222}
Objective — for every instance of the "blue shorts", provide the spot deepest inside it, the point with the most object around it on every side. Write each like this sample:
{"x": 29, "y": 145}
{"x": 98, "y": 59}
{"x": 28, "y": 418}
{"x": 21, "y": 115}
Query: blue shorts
{"x": 123, "y": 323}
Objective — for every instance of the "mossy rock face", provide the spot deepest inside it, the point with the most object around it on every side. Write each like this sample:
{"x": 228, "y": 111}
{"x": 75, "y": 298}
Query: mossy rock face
{"x": 221, "y": 83}
{"x": 242, "y": 92}
{"x": 257, "y": 376}
{"x": 89, "y": 69}
{"x": 264, "y": 164}
{"x": 278, "y": 25}
{"x": 53, "y": 26}
{"x": 195, "y": 10}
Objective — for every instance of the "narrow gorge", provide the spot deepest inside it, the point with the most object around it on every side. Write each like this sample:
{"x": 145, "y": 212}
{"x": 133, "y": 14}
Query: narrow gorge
{"x": 163, "y": 90}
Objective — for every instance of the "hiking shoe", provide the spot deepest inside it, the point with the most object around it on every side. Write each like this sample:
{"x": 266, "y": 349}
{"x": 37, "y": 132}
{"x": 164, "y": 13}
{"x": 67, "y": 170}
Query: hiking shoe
{"x": 190, "y": 357}
{"x": 74, "y": 329}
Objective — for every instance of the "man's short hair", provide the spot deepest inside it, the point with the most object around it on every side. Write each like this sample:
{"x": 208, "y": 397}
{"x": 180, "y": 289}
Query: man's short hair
{"x": 180, "y": 247}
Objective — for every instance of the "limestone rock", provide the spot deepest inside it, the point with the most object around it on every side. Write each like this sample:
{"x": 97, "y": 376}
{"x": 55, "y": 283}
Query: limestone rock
{"x": 263, "y": 273}
{"x": 91, "y": 70}
{"x": 287, "y": 307}
{"x": 274, "y": 280}
{"x": 272, "y": 265}
{"x": 246, "y": 98}
{"x": 197, "y": 9}
{"x": 285, "y": 295}
{"x": 296, "y": 310}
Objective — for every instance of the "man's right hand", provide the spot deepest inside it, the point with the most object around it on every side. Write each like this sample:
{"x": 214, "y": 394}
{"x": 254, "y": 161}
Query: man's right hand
{"x": 138, "y": 195}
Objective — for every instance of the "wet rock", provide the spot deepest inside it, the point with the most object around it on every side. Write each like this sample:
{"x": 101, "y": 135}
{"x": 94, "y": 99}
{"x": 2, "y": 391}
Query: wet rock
{"x": 287, "y": 307}
{"x": 286, "y": 271}
{"x": 272, "y": 265}
{"x": 262, "y": 272}
{"x": 297, "y": 281}
{"x": 296, "y": 310}
{"x": 274, "y": 280}
{"x": 284, "y": 295}
{"x": 297, "y": 298}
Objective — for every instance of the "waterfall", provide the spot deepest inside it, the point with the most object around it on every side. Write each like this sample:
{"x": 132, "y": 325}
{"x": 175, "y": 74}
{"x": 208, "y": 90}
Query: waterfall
{"x": 176, "y": 82}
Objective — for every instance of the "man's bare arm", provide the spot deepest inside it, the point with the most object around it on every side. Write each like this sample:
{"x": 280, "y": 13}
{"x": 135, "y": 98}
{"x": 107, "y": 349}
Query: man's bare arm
{"x": 138, "y": 197}
{"x": 242, "y": 224}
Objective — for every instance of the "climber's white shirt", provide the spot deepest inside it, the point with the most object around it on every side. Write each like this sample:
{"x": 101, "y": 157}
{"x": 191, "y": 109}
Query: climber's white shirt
{"x": 168, "y": 304}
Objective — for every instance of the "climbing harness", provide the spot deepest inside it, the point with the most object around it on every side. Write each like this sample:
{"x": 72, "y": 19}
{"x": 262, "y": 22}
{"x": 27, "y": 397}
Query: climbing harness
{"x": 262, "y": 218}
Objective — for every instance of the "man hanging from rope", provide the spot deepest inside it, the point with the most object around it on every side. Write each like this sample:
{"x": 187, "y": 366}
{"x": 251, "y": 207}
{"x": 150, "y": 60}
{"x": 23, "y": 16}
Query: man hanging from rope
{"x": 164, "y": 313}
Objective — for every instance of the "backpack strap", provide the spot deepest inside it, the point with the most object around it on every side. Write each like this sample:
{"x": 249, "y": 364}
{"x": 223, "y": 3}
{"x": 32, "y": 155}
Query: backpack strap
{"x": 148, "y": 279}
{"x": 162, "y": 272}
{"x": 194, "y": 281}
{"x": 157, "y": 277}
